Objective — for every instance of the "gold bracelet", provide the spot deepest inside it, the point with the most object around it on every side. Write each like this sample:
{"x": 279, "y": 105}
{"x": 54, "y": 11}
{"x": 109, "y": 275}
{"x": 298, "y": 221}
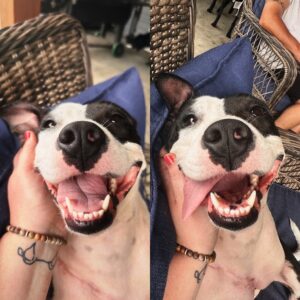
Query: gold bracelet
{"x": 209, "y": 258}
{"x": 48, "y": 239}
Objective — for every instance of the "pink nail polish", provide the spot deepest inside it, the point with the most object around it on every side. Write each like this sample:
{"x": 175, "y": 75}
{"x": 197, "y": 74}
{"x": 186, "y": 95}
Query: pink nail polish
{"x": 169, "y": 158}
{"x": 27, "y": 135}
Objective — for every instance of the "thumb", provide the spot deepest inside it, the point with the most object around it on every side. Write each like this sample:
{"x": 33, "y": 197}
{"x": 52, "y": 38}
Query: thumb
{"x": 27, "y": 153}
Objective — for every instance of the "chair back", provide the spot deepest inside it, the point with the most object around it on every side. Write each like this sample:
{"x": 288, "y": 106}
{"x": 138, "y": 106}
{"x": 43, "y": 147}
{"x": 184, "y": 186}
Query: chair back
{"x": 172, "y": 34}
{"x": 43, "y": 61}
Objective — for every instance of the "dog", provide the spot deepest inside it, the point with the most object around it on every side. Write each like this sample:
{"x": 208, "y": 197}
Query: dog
{"x": 91, "y": 160}
{"x": 229, "y": 151}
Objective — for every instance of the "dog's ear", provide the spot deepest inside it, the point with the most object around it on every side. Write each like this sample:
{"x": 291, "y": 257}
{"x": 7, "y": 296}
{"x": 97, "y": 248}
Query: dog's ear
{"x": 174, "y": 90}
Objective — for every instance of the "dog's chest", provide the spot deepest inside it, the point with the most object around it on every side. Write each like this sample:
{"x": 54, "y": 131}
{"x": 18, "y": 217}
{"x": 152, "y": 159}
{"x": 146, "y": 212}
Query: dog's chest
{"x": 110, "y": 266}
{"x": 246, "y": 260}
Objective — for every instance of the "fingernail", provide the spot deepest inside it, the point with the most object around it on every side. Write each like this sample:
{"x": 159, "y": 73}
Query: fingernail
{"x": 169, "y": 159}
{"x": 27, "y": 135}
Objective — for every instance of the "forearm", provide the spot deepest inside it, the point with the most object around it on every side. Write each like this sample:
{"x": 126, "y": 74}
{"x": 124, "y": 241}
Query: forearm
{"x": 25, "y": 267}
{"x": 184, "y": 278}
{"x": 271, "y": 20}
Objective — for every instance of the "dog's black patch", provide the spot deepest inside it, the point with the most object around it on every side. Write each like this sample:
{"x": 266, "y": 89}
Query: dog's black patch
{"x": 252, "y": 110}
{"x": 172, "y": 126}
{"x": 121, "y": 125}
{"x": 78, "y": 149}
{"x": 223, "y": 148}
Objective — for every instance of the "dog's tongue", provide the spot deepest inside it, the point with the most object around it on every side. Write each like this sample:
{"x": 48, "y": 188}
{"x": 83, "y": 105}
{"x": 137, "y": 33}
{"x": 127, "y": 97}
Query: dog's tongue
{"x": 195, "y": 193}
{"x": 85, "y": 192}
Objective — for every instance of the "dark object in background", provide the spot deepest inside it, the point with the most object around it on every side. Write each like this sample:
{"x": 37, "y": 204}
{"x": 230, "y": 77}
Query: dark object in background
{"x": 219, "y": 11}
{"x": 103, "y": 15}
{"x": 140, "y": 41}
{"x": 53, "y": 6}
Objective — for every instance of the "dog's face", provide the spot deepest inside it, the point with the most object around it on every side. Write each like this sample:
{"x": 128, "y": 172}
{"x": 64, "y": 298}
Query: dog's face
{"x": 228, "y": 149}
{"x": 90, "y": 157}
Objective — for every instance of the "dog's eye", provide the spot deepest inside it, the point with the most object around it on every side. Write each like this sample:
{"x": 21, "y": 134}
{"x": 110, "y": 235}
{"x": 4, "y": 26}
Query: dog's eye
{"x": 257, "y": 111}
{"x": 115, "y": 118}
{"x": 189, "y": 120}
{"x": 48, "y": 124}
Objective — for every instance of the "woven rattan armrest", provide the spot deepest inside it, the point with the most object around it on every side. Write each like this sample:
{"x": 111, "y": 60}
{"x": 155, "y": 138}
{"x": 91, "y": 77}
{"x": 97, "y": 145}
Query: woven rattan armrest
{"x": 248, "y": 26}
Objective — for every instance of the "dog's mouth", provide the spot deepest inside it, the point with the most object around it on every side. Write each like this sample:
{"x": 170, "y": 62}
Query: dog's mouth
{"x": 233, "y": 200}
{"x": 89, "y": 202}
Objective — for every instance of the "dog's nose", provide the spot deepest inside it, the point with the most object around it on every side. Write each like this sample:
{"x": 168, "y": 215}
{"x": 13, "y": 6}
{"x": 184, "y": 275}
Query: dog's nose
{"x": 229, "y": 141}
{"x": 82, "y": 144}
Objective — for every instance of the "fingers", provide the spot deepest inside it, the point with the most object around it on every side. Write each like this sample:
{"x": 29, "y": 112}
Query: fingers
{"x": 25, "y": 157}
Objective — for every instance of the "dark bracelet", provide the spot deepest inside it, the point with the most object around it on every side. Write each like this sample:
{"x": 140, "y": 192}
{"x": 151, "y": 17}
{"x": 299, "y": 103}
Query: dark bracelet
{"x": 48, "y": 239}
{"x": 209, "y": 258}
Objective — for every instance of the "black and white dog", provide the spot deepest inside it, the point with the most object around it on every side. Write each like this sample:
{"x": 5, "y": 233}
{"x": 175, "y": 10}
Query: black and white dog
{"x": 91, "y": 160}
{"x": 229, "y": 151}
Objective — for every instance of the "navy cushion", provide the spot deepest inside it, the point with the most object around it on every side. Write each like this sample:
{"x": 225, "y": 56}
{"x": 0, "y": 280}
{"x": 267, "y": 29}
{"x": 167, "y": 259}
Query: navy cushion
{"x": 220, "y": 72}
{"x": 8, "y": 148}
{"x": 257, "y": 7}
{"x": 124, "y": 90}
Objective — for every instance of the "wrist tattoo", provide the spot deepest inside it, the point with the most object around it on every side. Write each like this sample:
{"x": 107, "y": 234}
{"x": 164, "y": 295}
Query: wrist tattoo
{"x": 198, "y": 275}
{"x": 29, "y": 257}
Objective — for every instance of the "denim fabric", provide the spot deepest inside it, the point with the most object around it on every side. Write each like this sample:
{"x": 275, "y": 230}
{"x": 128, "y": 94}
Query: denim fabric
{"x": 258, "y": 6}
{"x": 125, "y": 90}
{"x": 284, "y": 204}
{"x": 8, "y": 148}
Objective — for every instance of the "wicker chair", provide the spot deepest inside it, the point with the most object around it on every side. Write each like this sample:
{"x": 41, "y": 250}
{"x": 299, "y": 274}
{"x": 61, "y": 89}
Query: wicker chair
{"x": 172, "y": 34}
{"x": 270, "y": 84}
{"x": 43, "y": 61}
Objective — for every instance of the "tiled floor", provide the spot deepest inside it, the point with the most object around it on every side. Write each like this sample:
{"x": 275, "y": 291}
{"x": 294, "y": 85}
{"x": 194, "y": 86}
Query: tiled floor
{"x": 207, "y": 36}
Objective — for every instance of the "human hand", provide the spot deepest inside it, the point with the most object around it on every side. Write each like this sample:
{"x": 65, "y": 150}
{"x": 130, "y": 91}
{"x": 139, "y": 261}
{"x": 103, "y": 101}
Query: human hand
{"x": 296, "y": 53}
{"x": 197, "y": 231}
{"x": 31, "y": 205}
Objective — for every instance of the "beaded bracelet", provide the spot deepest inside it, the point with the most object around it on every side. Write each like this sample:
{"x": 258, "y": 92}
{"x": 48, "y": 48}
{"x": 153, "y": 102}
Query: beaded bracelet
{"x": 48, "y": 239}
{"x": 209, "y": 258}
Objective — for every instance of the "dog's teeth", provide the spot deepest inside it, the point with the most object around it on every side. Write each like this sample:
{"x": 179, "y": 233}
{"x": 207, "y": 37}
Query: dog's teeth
{"x": 86, "y": 217}
{"x": 221, "y": 210}
{"x": 242, "y": 210}
{"x": 91, "y": 217}
{"x": 214, "y": 200}
{"x": 96, "y": 214}
{"x": 106, "y": 202}
{"x": 232, "y": 213}
{"x": 254, "y": 179}
{"x": 75, "y": 214}
{"x": 80, "y": 215}
{"x": 247, "y": 210}
{"x": 251, "y": 199}
{"x": 68, "y": 202}
{"x": 227, "y": 210}
{"x": 113, "y": 185}
{"x": 100, "y": 213}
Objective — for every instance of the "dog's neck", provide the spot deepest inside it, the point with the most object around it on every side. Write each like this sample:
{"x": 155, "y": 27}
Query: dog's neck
{"x": 118, "y": 254}
{"x": 249, "y": 237}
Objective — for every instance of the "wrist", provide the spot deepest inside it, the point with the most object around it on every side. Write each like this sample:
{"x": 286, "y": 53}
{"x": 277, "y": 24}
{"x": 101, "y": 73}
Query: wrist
{"x": 43, "y": 227}
{"x": 205, "y": 246}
